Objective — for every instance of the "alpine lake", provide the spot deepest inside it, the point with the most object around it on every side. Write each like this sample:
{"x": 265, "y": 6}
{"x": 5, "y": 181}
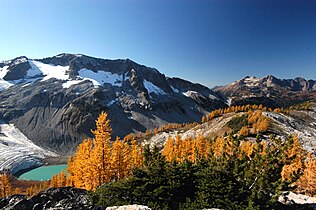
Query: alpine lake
{"x": 43, "y": 173}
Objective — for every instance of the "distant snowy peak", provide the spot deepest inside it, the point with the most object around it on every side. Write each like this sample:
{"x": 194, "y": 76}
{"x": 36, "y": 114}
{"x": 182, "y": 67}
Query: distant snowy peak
{"x": 269, "y": 91}
{"x": 296, "y": 84}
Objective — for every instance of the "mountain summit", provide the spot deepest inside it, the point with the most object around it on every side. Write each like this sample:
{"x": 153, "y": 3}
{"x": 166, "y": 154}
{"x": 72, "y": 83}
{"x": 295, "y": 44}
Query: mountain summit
{"x": 269, "y": 91}
{"x": 54, "y": 101}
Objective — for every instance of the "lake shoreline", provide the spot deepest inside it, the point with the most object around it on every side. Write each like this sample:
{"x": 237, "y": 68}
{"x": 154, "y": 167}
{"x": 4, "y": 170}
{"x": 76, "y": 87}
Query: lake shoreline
{"x": 49, "y": 161}
{"x": 20, "y": 172}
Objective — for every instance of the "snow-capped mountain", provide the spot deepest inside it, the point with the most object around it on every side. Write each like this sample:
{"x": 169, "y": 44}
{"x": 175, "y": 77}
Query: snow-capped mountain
{"x": 269, "y": 91}
{"x": 54, "y": 101}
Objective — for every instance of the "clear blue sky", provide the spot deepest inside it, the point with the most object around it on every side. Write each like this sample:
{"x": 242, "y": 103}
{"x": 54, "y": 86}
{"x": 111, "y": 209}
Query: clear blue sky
{"x": 213, "y": 42}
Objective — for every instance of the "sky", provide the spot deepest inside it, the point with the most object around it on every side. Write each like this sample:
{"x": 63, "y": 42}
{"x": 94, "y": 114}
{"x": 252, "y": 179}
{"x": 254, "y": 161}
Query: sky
{"x": 212, "y": 42}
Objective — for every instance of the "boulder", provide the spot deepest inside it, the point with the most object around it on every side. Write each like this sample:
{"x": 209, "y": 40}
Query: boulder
{"x": 53, "y": 198}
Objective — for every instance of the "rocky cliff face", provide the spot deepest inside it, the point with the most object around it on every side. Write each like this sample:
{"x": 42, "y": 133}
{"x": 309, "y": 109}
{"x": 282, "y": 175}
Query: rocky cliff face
{"x": 55, "y": 101}
{"x": 269, "y": 91}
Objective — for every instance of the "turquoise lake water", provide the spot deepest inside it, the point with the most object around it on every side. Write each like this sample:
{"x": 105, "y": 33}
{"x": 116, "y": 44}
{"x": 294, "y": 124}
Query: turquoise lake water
{"x": 43, "y": 172}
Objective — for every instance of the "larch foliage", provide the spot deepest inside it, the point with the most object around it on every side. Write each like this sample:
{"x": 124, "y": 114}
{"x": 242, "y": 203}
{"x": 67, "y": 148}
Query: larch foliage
{"x": 247, "y": 147}
{"x": 120, "y": 159}
{"x": 187, "y": 149}
{"x": 218, "y": 146}
{"x": 98, "y": 160}
{"x": 80, "y": 169}
{"x": 5, "y": 185}
{"x": 307, "y": 182}
{"x": 136, "y": 155}
{"x": 295, "y": 153}
{"x": 244, "y": 131}
{"x": 168, "y": 151}
{"x": 59, "y": 180}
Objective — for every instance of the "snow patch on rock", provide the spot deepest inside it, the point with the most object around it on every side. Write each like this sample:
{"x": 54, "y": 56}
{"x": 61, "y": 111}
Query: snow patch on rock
{"x": 3, "y": 71}
{"x": 175, "y": 90}
{"x": 151, "y": 88}
{"x": 69, "y": 83}
{"x": 20, "y": 60}
{"x": 3, "y": 83}
{"x": 49, "y": 71}
{"x": 101, "y": 77}
{"x": 189, "y": 93}
{"x": 211, "y": 96}
{"x": 17, "y": 152}
{"x": 229, "y": 101}
{"x": 251, "y": 81}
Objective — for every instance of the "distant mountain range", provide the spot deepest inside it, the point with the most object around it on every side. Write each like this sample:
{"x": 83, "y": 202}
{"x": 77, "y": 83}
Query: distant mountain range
{"x": 269, "y": 91}
{"x": 52, "y": 103}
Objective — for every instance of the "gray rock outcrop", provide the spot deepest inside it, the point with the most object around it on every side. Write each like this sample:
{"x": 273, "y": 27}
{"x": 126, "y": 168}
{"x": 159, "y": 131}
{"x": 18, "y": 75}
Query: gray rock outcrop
{"x": 53, "y": 198}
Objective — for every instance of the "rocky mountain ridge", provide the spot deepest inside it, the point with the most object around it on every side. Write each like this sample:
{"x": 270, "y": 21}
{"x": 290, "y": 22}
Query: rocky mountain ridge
{"x": 269, "y": 91}
{"x": 54, "y": 101}
{"x": 301, "y": 122}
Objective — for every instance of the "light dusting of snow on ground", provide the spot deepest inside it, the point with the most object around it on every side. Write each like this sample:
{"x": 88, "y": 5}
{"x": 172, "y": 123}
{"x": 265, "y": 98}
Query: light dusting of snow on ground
{"x": 151, "y": 88}
{"x": 17, "y": 152}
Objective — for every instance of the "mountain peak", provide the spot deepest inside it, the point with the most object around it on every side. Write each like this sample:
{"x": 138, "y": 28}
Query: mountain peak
{"x": 269, "y": 91}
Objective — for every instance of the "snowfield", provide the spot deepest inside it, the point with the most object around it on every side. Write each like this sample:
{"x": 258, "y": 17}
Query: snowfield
{"x": 17, "y": 152}
{"x": 151, "y": 88}
{"x": 49, "y": 71}
{"x": 42, "y": 71}
{"x": 71, "y": 82}
{"x": 101, "y": 77}
{"x": 3, "y": 83}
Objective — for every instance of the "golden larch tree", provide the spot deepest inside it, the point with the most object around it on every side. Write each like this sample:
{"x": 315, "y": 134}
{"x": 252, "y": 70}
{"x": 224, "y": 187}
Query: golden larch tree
{"x": 5, "y": 184}
{"x": 307, "y": 183}
{"x": 295, "y": 153}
